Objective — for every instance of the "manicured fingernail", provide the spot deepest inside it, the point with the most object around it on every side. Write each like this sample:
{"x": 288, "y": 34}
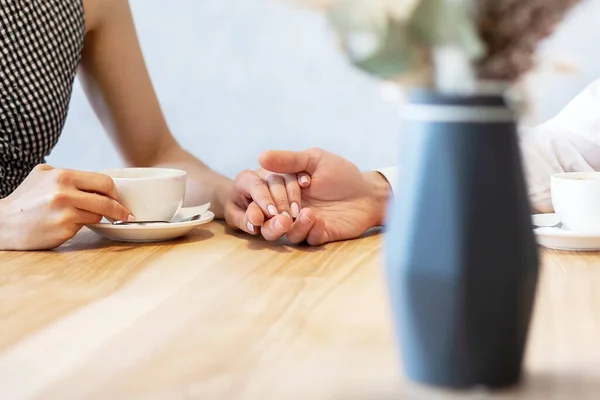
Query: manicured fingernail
{"x": 304, "y": 179}
{"x": 272, "y": 210}
{"x": 295, "y": 209}
{"x": 131, "y": 218}
{"x": 250, "y": 227}
{"x": 278, "y": 225}
{"x": 286, "y": 214}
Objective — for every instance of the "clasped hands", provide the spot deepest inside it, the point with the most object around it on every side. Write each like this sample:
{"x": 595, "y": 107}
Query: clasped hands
{"x": 312, "y": 195}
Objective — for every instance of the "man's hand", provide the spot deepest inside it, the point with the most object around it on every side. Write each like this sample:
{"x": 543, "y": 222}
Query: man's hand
{"x": 341, "y": 202}
{"x": 51, "y": 206}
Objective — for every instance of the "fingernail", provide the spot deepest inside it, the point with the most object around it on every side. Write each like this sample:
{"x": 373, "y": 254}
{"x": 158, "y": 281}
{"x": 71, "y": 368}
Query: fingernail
{"x": 286, "y": 214}
{"x": 278, "y": 225}
{"x": 295, "y": 209}
{"x": 131, "y": 218}
{"x": 250, "y": 227}
{"x": 272, "y": 210}
{"x": 304, "y": 179}
{"x": 305, "y": 218}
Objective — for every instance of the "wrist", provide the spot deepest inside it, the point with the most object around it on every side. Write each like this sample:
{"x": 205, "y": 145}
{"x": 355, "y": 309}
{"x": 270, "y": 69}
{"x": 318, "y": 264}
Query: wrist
{"x": 221, "y": 196}
{"x": 379, "y": 194}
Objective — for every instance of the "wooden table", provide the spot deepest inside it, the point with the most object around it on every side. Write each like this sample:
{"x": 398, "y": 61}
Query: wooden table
{"x": 223, "y": 316}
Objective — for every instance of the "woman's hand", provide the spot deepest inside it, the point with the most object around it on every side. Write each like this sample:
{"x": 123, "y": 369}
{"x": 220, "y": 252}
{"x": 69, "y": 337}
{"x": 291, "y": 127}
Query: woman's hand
{"x": 51, "y": 206}
{"x": 260, "y": 198}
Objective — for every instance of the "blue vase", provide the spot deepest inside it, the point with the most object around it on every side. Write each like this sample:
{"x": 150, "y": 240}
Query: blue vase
{"x": 461, "y": 257}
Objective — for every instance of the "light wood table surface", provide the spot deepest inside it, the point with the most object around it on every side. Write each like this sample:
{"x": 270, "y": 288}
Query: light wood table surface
{"x": 223, "y": 316}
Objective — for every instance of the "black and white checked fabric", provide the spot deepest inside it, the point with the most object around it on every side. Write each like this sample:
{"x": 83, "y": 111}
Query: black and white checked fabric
{"x": 40, "y": 49}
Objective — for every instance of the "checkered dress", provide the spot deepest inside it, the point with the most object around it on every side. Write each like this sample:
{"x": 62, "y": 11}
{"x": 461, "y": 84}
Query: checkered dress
{"x": 40, "y": 48}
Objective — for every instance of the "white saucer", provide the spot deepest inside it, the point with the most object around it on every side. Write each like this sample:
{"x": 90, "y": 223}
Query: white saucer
{"x": 562, "y": 238}
{"x": 151, "y": 232}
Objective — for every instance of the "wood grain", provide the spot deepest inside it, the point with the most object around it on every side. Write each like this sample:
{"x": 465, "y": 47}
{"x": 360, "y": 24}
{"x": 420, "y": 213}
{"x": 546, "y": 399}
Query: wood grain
{"x": 218, "y": 315}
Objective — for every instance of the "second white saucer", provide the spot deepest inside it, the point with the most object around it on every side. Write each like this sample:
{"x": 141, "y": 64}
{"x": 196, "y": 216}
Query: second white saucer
{"x": 562, "y": 238}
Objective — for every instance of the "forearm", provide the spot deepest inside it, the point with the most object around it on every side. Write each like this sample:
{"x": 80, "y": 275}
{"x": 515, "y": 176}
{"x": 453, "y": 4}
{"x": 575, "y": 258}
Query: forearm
{"x": 203, "y": 184}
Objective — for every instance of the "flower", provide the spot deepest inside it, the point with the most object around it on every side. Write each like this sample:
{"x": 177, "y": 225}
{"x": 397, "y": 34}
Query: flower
{"x": 442, "y": 42}
{"x": 407, "y": 40}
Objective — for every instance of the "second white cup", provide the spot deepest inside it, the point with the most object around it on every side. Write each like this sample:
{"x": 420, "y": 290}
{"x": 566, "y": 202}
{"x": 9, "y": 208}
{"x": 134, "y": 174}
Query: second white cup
{"x": 576, "y": 200}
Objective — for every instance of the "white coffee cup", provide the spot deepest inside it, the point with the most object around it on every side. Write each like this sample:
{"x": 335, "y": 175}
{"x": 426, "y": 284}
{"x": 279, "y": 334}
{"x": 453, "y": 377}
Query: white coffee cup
{"x": 151, "y": 194}
{"x": 576, "y": 200}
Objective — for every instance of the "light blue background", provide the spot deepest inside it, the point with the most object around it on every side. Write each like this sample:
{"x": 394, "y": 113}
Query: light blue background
{"x": 236, "y": 77}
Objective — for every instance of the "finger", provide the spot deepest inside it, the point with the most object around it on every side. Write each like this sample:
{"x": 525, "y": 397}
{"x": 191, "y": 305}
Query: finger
{"x": 74, "y": 216}
{"x": 304, "y": 179}
{"x": 276, "y": 227}
{"x": 294, "y": 194}
{"x": 236, "y": 216}
{"x": 277, "y": 187}
{"x": 256, "y": 188}
{"x": 298, "y": 232}
{"x": 253, "y": 219}
{"x": 290, "y": 162}
{"x": 318, "y": 235}
{"x": 102, "y": 205}
{"x": 85, "y": 217}
{"x": 92, "y": 182}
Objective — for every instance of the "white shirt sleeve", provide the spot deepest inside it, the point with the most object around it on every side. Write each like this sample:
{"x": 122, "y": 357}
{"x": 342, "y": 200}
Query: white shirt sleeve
{"x": 390, "y": 174}
{"x": 568, "y": 142}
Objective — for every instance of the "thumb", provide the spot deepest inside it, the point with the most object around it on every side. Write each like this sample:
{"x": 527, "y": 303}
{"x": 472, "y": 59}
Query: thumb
{"x": 289, "y": 162}
{"x": 247, "y": 220}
